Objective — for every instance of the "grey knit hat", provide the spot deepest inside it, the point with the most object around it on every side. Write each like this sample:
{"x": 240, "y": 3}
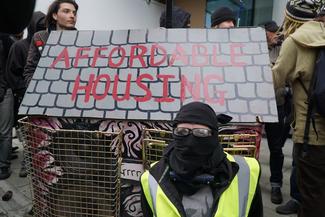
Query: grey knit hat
{"x": 303, "y": 10}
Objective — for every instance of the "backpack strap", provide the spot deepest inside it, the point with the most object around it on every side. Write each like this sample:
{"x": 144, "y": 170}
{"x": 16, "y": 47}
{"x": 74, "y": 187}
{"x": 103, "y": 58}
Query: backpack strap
{"x": 303, "y": 86}
{"x": 310, "y": 109}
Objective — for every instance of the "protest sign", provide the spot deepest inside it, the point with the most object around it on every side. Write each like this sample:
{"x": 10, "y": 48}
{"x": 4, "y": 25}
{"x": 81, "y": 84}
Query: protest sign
{"x": 150, "y": 74}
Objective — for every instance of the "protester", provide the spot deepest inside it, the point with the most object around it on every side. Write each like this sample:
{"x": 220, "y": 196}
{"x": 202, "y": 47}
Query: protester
{"x": 14, "y": 17}
{"x": 195, "y": 177}
{"x": 6, "y": 112}
{"x": 296, "y": 13}
{"x": 274, "y": 39}
{"x": 6, "y": 108}
{"x": 276, "y": 133}
{"x": 180, "y": 18}
{"x": 17, "y": 59}
{"x": 61, "y": 15}
{"x": 296, "y": 62}
{"x": 223, "y": 17}
{"x": 15, "y": 68}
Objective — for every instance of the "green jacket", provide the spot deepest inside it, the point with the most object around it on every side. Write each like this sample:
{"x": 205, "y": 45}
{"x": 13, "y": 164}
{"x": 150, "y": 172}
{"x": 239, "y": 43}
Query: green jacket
{"x": 297, "y": 60}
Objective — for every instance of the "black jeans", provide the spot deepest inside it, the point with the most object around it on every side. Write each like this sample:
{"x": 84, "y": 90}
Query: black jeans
{"x": 18, "y": 98}
{"x": 276, "y": 134}
{"x": 311, "y": 180}
{"x": 294, "y": 190}
{"x": 6, "y": 124}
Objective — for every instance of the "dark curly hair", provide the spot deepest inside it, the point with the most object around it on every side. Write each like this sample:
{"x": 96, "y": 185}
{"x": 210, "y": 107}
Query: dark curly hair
{"x": 54, "y": 8}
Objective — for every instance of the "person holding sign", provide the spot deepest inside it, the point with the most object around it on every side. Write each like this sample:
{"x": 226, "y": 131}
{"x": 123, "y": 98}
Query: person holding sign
{"x": 61, "y": 15}
{"x": 195, "y": 177}
{"x": 223, "y": 18}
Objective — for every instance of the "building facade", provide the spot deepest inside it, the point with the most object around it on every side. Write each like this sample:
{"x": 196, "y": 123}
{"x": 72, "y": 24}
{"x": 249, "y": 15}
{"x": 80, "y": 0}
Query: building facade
{"x": 249, "y": 12}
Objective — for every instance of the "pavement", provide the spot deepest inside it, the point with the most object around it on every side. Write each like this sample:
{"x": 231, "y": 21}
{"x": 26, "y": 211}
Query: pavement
{"x": 269, "y": 208}
{"x": 21, "y": 201}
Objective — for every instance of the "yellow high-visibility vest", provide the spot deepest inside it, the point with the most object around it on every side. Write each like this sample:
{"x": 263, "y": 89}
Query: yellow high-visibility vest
{"x": 235, "y": 201}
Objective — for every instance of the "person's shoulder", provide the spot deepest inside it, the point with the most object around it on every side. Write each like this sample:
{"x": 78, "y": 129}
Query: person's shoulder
{"x": 20, "y": 43}
{"x": 289, "y": 42}
{"x": 159, "y": 168}
{"x": 40, "y": 34}
{"x": 16, "y": 47}
{"x": 40, "y": 38}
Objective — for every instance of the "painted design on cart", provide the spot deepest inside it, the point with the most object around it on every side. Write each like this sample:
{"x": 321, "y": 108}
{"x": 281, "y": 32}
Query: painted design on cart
{"x": 131, "y": 202}
{"x": 49, "y": 164}
{"x": 150, "y": 74}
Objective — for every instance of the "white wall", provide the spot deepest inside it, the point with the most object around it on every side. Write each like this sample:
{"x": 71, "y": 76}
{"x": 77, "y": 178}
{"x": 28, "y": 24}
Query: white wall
{"x": 278, "y": 11}
{"x": 113, "y": 14}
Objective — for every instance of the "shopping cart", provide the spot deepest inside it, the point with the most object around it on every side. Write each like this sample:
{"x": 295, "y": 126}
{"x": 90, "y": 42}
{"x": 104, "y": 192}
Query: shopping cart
{"x": 73, "y": 172}
{"x": 241, "y": 140}
{"x": 153, "y": 145}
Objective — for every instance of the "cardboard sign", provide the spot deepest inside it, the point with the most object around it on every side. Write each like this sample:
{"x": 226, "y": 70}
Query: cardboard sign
{"x": 150, "y": 74}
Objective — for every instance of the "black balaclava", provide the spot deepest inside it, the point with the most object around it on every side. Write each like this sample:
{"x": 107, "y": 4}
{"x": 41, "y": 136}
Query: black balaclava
{"x": 192, "y": 155}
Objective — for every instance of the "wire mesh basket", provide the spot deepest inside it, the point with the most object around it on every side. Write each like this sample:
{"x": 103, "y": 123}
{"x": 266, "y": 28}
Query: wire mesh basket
{"x": 154, "y": 143}
{"x": 73, "y": 172}
{"x": 239, "y": 144}
{"x": 242, "y": 139}
{"x": 238, "y": 140}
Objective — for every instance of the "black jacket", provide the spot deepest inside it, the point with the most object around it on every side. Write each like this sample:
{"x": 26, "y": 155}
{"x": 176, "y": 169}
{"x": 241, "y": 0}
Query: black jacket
{"x": 15, "y": 65}
{"x": 5, "y": 43}
{"x": 35, "y": 51}
{"x": 3, "y": 83}
{"x": 34, "y": 54}
{"x": 18, "y": 54}
{"x": 157, "y": 171}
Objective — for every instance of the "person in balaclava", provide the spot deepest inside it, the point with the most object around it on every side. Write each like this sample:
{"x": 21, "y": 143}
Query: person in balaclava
{"x": 195, "y": 177}
{"x": 180, "y": 18}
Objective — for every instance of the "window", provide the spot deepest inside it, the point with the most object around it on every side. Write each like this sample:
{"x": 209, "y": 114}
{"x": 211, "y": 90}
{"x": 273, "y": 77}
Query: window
{"x": 242, "y": 8}
{"x": 249, "y": 12}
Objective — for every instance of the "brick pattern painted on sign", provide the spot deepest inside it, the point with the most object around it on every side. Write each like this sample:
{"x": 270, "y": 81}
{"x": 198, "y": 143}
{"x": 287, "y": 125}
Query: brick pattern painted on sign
{"x": 243, "y": 90}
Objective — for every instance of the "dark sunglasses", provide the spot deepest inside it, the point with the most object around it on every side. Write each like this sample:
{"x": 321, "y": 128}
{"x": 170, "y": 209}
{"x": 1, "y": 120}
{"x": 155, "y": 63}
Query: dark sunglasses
{"x": 198, "y": 132}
